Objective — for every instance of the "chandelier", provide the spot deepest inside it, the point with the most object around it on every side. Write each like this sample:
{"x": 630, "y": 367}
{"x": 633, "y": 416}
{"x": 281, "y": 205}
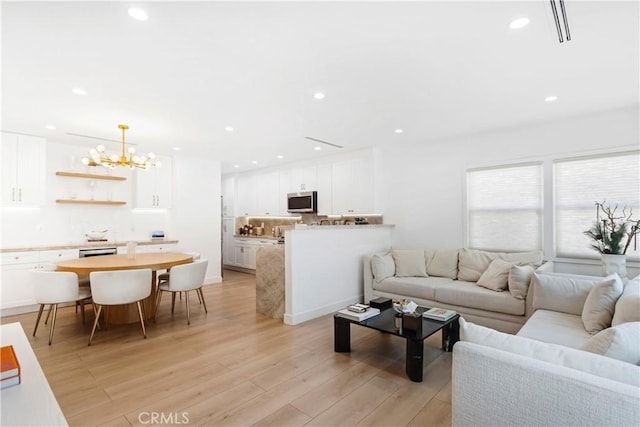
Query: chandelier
{"x": 100, "y": 157}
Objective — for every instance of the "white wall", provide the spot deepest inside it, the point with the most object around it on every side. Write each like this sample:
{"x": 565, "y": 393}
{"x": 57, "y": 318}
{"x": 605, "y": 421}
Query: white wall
{"x": 423, "y": 186}
{"x": 194, "y": 219}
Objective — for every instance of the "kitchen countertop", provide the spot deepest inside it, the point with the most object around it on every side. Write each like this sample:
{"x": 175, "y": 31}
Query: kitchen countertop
{"x": 244, "y": 236}
{"x": 85, "y": 245}
{"x": 328, "y": 227}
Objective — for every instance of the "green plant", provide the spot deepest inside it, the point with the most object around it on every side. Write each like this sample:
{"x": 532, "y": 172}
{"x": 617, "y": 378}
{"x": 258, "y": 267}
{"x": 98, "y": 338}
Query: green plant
{"x": 613, "y": 233}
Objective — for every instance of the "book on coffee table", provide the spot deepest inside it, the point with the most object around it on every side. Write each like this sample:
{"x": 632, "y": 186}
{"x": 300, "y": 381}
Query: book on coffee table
{"x": 359, "y": 317}
{"x": 439, "y": 314}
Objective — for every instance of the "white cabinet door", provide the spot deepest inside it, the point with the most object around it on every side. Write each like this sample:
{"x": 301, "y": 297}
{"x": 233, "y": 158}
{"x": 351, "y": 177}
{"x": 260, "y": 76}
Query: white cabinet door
{"x": 160, "y": 247}
{"x": 285, "y": 188}
{"x": 247, "y": 191}
{"x": 268, "y": 186}
{"x": 49, "y": 259}
{"x": 351, "y": 183}
{"x": 303, "y": 178}
{"x": 154, "y": 186}
{"x": 324, "y": 189}
{"x": 228, "y": 241}
{"x": 16, "y": 278}
{"x": 23, "y": 166}
{"x": 250, "y": 256}
{"x": 228, "y": 196}
{"x": 238, "y": 252}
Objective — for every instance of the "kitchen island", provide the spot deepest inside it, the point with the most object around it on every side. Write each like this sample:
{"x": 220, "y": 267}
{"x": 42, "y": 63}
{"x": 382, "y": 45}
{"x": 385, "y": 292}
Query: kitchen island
{"x": 322, "y": 269}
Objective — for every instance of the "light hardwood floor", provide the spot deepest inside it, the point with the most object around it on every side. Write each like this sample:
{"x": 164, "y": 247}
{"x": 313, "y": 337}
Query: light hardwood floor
{"x": 234, "y": 367}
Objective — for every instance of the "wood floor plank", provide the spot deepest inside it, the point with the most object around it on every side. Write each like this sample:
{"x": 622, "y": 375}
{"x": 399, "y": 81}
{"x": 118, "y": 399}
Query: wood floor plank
{"x": 235, "y": 367}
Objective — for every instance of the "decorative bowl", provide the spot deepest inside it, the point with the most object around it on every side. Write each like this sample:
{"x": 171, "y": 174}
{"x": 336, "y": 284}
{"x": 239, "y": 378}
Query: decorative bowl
{"x": 96, "y": 235}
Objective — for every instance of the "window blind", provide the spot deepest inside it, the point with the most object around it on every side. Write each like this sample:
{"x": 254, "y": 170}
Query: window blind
{"x": 578, "y": 184}
{"x": 504, "y": 208}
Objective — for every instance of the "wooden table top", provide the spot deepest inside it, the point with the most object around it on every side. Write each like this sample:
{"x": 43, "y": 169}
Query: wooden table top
{"x": 154, "y": 261}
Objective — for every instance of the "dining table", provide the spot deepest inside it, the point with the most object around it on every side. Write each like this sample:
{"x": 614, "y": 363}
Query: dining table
{"x": 154, "y": 261}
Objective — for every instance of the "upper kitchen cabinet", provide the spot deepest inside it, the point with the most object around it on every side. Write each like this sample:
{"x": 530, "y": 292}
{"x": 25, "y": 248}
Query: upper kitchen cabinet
{"x": 247, "y": 195}
{"x": 351, "y": 186}
{"x": 154, "y": 187}
{"x": 23, "y": 166}
{"x": 228, "y": 196}
{"x": 284, "y": 189}
{"x": 304, "y": 178}
{"x": 324, "y": 189}
{"x": 268, "y": 193}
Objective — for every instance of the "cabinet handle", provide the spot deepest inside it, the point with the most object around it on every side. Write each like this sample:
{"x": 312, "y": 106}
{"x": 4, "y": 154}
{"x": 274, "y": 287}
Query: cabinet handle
{"x": 13, "y": 194}
{"x": 19, "y": 194}
{"x": 158, "y": 198}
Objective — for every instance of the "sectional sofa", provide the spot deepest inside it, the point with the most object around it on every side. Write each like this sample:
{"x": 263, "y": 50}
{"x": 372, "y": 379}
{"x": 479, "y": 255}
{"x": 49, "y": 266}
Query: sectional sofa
{"x": 573, "y": 363}
{"x": 487, "y": 288}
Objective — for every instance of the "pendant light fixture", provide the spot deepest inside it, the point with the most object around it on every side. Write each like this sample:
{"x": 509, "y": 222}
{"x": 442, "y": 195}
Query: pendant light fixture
{"x": 98, "y": 156}
{"x": 557, "y": 20}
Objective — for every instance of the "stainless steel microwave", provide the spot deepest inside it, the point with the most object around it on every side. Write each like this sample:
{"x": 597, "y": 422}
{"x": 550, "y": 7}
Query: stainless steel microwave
{"x": 303, "y": 202}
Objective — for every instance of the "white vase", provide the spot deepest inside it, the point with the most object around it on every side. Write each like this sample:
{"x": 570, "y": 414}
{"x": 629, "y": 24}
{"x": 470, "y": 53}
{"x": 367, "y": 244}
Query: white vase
{"x": 613, "y": 263}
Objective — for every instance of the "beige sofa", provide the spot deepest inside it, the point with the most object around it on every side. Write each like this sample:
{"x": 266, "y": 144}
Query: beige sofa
{"x": 487, "y": 288}
{"x": 573, "y": 363}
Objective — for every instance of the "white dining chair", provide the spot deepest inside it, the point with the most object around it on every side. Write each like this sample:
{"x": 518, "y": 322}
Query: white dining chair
{"x": 53, "y": 288}
{"x": 120, "y": 287}
{"x": 184, "y": 278}
{"x": 164, "y": 277}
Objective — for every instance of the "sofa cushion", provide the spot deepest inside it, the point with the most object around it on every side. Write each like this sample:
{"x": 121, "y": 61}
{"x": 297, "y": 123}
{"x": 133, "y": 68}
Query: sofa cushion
{"x": 620, "y": 342}
{"x": 409, "y": 262}
{"x": 561, "y": 292}
{"x": 473, "y": 263}
{"x": 600, "y": 303}
{"x": 519, "y": 279}
{"x": 442, "y": 262}
{"x": 556, "y": 328}
{"x": 628, "y": 305}
{"x": 413, "y": 287}
{"x": 551, "y": 353}
{"x": 496, "y": 276}
{"x": 382, "y": 266}
{"x": 532, "y": 258}
{"x": 467, "y": 294}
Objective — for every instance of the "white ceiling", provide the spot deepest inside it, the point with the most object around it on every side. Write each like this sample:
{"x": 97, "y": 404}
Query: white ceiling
{"x": 433, "y": 69}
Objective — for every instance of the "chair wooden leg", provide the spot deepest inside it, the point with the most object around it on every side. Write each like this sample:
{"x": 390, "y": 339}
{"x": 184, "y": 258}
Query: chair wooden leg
{"x": 201, "y": 296}
{"x": 158, "y": 300}
{"x": 38, "y": 319}
{"x": 187, "y": 300}
{"x": 95, "y": 313}
{"x": 53, "y": 322}
{"x": 82, "y": 310}
{"x": 46, "y": 319}
{"x": 95, "y": 323}
{"x": 173, "y": 301}
{"x": 144, "y": 331}
{"x": 106, "y": 318}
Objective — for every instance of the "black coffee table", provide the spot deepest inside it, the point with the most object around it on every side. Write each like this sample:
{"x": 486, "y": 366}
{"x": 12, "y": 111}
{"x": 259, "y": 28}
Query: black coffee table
{"x": 384, "y": 322}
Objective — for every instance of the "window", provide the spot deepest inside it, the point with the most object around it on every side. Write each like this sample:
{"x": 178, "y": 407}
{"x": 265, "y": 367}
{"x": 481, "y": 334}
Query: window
{"x": 504, "y": 207}
{"x": 578, "y": 184}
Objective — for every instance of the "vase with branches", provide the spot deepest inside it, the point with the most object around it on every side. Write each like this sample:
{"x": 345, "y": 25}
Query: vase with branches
{"x": 613, "y": 231}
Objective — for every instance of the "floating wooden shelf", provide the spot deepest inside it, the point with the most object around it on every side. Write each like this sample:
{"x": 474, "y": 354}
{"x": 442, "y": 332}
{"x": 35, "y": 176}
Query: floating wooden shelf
{"x": 91, "y": 176}
{"x": 91, "y": 202}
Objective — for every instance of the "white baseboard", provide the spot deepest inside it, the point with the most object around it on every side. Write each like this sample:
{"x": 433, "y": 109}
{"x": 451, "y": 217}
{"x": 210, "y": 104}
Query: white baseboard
{"x": 297, "y": 318}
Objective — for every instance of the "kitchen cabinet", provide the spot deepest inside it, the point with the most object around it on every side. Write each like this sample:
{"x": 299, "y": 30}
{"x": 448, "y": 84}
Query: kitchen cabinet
{"x": 304, "y": 178}
{"x": 324, "y": 189}
{"x": 23, "y": 166}
{"x": 247, "y": 192}
{"x": 242, "y": 251}
{"x": 268, "y": 193}
{"x": 228, "y": 196}
{"x": 228, "y": 241}
{"x": 156, "y": 248}
{"x": 154, "y": 186}
{"x": 284, "y": 184}
{"x": 351, "y": 185}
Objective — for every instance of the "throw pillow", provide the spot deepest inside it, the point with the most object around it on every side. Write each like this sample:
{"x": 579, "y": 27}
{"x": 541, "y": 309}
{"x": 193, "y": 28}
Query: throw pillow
{"x": 628, "y": 305}
{"x": 496, "y": 275}
{"x": 533, "y": 258}
{"x": 442, "y": 262}
{"x": 551, "y": 353}
{"x": 473, "y": 263}
{"x": 382, "y": 266}
{"x": 565, "y": 293}
{"x": 620, "y": 342}
{"x": 519, "y": 279}
{"x": 597, "y": 312}
{"x": 409, "y": 262}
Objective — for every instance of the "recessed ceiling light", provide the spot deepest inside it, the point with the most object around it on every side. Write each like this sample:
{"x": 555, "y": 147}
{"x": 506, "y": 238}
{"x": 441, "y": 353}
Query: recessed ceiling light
{"x": 280, "y": 156}
{"x": 398, "y": 131}
{"x": 318, "y": 95}
{"x": 236, "y": 166}
{"x": 551, "y": 98}
{"x": 50, "y": 127}
{"x": 317, "y": 148}
{"x": 79, "y": 91}
{"x": 138, "y": 14}
{"x": 255, "y": 162}
{"x": 518, "y": 23}
{"x": 176, "y": 148}
{"x": 228, "y": 128}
